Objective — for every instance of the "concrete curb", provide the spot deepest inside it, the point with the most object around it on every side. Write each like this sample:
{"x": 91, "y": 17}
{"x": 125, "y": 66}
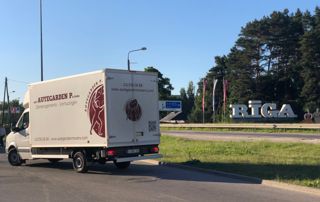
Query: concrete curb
{"x": 245, "y": 125}
{"x": 269, "y": 183}
{"x": 291, "y": 187}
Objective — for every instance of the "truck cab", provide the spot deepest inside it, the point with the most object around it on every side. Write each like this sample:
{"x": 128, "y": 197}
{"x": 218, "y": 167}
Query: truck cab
{"x": 18, "y": 144}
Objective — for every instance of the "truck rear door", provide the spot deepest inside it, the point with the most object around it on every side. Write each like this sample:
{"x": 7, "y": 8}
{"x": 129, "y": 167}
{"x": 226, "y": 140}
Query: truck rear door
{"x": 132, "y": 108}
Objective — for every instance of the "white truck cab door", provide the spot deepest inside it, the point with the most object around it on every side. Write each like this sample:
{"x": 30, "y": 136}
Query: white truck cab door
{"x": 22, "y": 137}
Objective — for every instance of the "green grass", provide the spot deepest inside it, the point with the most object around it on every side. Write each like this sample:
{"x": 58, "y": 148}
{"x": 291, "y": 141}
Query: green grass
{"x": 296, "y": 163}
{"x": 263, "y": 130}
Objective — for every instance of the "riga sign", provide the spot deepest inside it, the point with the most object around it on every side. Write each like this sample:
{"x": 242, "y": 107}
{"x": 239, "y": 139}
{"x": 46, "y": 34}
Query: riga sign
{"x": 267, "y": 110}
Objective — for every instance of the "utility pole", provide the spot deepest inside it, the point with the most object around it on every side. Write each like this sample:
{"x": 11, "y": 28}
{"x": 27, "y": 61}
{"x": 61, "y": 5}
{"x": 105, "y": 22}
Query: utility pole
{"x": 4, "y": 99}
{"x": 5, "y": 94}
{"x": 41, "y": 49}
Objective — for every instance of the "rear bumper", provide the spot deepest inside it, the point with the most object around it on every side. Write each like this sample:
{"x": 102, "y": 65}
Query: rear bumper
{"x": 136, "y": 158}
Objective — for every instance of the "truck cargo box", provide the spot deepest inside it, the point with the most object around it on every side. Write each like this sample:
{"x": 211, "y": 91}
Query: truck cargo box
{"x": 108, "y": 108}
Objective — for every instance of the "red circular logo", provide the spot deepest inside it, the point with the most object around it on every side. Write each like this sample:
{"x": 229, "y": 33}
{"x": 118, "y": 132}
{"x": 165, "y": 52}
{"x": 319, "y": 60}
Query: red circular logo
{"x": 96, "y": 111}
{"x": 133, "y": 110}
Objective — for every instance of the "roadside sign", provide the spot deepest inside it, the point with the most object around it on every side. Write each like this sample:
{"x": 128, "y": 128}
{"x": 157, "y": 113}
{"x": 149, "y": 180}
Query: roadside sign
{"x": 170, "y": 105}
{"x": 15, "y": 110}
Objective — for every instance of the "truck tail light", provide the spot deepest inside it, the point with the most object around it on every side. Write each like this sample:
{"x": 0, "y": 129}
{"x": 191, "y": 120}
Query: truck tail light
{"x": 155, "y": 149}
{"x": 111, "y": 152}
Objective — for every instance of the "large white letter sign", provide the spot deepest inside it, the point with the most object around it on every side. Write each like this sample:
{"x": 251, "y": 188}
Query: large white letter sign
{"x": 255, "y": 105}
{"x": 286, "y": 111}
{"x": 239, "y": 111}
{"x": 268, "y": 110}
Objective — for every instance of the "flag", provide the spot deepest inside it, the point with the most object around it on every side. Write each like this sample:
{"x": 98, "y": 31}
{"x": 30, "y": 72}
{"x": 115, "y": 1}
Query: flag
{"x": 213, "y": 92}
{"x": 225, "y": 91}
{"x": 203, "y": 93}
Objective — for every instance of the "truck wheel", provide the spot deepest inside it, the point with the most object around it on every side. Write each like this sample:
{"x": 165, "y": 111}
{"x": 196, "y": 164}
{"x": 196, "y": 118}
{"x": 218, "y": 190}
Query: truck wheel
{"x": 14, "y": 158}
{"x": 122, "y": 165}
{"x": 80, "y": 162}
{"x": 54, "y": 160}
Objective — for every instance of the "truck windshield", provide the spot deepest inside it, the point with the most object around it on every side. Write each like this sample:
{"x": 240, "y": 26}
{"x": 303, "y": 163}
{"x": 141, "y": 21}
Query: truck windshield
{"x": 24, "y": 122}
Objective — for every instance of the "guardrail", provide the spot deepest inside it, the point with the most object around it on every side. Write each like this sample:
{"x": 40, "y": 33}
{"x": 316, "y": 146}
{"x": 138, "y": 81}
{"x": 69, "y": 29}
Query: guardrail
{"x": 245, "y": 125}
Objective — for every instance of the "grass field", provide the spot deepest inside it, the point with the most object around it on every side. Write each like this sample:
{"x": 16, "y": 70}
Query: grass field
{"x": 263, "y": 130}
{"x": 296, "y": 163}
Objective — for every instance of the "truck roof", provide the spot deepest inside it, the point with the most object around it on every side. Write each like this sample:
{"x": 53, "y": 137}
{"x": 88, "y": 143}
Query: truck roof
{"x": 27, "y": 94}
{"x": 93, "y": 72}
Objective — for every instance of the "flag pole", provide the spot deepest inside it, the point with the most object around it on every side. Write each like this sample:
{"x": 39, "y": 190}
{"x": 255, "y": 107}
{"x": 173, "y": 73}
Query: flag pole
{"x": 224, "y": 102}
{"x": 202, "y": 116}
{"x": 225, "y": 92}
{"x": 214, "y": 113}
{"x": 214, "y": 84}
{"x": 203, "y": 98}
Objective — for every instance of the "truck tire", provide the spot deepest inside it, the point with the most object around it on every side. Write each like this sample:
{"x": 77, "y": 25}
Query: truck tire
{"x": 122, "y": 165}
{"x": 80, "y": 162}
{"x": 54, "y": 160}
{"x": 14, "y": 158}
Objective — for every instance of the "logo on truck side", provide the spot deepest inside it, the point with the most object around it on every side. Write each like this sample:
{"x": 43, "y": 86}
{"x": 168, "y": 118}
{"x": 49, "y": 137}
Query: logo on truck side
{"x": 133, "y": 110}
{"x": 95, "y": 110}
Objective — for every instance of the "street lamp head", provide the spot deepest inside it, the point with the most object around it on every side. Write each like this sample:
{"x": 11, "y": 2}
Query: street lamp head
{"x": 143, "y": 48}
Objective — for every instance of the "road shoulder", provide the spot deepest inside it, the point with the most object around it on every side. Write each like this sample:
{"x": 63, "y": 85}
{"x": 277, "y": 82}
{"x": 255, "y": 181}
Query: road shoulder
{"x": 269, "y": 183}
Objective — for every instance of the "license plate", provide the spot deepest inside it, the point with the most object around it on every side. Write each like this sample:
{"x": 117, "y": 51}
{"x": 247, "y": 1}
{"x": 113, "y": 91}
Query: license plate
{"x": 133, "y": 151}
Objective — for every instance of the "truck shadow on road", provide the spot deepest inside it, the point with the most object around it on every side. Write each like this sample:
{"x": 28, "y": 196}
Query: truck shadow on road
{"x": 142, "y": 172}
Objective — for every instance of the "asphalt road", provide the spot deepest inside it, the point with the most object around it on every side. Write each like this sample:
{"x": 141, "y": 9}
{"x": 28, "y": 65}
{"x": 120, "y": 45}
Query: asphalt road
{"x": 246, "y": 136}
{"x": 45, "y": 182}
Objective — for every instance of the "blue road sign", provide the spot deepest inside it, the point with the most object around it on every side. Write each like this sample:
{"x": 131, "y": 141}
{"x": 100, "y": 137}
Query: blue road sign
{"x": 170, "y": 105}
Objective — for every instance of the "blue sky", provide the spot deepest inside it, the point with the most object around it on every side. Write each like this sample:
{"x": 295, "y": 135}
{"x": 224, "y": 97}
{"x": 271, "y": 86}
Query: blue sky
{"x": 182, "y": 36}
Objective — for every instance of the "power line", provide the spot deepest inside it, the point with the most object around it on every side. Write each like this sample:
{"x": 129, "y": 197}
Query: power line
{"x": 24, "y": 82}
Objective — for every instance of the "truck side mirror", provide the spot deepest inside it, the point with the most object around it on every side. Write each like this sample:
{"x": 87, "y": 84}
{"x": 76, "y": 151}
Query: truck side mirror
{"x": 14, "y": 128}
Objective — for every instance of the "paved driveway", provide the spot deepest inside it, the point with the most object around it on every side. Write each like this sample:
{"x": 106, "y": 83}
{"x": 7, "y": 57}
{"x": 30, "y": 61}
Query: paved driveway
{"x": 45, "y": 182}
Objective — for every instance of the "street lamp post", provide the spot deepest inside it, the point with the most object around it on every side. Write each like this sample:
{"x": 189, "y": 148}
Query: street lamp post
{"x": 128, "y": 60}
{"x": 41, "y": 48}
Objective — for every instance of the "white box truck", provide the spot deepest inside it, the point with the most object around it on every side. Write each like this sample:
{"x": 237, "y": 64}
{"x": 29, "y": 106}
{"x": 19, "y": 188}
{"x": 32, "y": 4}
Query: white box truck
{"x": 107, "y": 115}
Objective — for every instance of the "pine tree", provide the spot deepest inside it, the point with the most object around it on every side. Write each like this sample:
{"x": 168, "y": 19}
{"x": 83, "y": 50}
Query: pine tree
{"x": 310, "y": 48}
{"x": 276, "y": 58}
{"x": 165, "y": 87}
